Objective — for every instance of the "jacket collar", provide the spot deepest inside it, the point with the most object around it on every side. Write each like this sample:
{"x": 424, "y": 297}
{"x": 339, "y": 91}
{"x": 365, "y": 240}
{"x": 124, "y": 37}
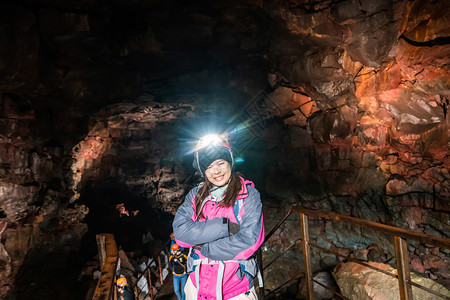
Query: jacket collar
{"x": 243, "y": 193}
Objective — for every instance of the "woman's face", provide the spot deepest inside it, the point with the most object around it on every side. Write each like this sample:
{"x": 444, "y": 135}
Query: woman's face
{"x": 219, "y": 172}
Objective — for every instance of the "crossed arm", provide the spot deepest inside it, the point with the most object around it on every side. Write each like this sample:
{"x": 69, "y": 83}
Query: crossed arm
{"x": 214, "y": 234}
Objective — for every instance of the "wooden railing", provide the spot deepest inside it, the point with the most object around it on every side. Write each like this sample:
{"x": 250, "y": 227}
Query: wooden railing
{"x": 108, "y": 255}
{"x": 107, "y": 249}
{"x": 401, "y": 251}
{"x": 147, "y": 274}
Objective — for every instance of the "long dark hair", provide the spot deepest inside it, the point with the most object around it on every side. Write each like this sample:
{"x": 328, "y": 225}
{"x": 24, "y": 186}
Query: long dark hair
{"x": 231, "y": 193}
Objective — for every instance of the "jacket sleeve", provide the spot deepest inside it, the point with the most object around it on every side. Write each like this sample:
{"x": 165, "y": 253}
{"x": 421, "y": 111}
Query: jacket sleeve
{"x": 189, "y": 233}
{"x": 251, "y": 235}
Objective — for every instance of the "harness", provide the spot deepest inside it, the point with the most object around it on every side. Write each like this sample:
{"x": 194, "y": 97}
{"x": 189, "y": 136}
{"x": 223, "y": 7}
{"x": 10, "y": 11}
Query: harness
{"x": 179, "y": 261}
{"x": 249, "y": 266}
{"x": 237, "y": 209}
{"x": 196, "y": 264}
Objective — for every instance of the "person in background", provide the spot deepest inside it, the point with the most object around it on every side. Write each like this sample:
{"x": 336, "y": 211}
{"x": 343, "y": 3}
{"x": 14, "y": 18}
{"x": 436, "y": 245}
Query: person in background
{"x": 124, "y": 291}
{"x": 172, "y": 241}
{"x": 222, "y": 218}
{"x": 177, "y": 263}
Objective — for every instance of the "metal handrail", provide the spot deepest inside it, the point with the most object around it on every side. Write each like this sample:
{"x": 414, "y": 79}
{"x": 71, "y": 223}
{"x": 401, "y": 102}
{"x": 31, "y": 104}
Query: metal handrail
{"x": 108, "y": 255}
{"x": 401, "y": 251}
{"x": 147, "y": 272}
{"x": 286, "y": 250}
{"x": 299, "y": 275}
{"x": 400, "y": 232}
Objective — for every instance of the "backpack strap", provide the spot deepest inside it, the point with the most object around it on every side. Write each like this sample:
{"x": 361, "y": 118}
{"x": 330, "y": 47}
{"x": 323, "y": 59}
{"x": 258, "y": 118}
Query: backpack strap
{"x": 237, "y": 209}
{"x": 240, "y": 203}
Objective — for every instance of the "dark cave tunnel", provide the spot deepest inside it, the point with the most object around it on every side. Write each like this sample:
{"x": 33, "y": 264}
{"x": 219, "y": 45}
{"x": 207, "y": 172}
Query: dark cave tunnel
{"x": 104, "y": 217}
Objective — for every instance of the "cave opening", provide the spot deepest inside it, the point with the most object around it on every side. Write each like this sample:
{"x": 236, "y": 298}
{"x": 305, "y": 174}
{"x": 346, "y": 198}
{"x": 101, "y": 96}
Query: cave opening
{"x": 129, "y": 225}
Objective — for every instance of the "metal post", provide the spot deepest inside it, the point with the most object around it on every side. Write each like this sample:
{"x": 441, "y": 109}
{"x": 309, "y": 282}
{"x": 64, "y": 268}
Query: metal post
{"x": 136, "y": 293}
{"x": 150, "y": 286}
{"x": 307, "y": 256}
{"x": 260, "y": 266}
{"x": 401, "y": 253}
{"x": 160, "y": 270}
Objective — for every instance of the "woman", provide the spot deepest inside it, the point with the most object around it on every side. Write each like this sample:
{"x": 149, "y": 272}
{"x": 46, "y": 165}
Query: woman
{"x": 222, "y": 220}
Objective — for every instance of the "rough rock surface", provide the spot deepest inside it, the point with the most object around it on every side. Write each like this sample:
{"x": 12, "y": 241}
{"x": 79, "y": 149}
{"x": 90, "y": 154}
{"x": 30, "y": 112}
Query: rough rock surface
{"x": 118, "y": 146}
{"x": 325, "y": 278}
{"x": 362, "y": 283}
{"x": 366, "y": 124}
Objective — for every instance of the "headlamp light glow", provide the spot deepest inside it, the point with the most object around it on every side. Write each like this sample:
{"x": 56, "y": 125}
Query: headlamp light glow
{"x": 210, "y": 139}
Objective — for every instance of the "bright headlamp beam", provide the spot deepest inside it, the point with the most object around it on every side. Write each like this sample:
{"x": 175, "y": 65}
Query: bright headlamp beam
{"x": 207, "y": 140}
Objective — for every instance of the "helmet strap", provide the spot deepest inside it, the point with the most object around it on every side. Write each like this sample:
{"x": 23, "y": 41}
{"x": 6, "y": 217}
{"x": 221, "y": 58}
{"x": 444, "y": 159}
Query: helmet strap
{"x": 232, "y": 159}
{"x": 198, "y": 166}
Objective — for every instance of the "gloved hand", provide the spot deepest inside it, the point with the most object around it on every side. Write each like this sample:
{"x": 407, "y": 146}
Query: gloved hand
{"x": 233, "y": 228}
{"x": 198, "y": 247}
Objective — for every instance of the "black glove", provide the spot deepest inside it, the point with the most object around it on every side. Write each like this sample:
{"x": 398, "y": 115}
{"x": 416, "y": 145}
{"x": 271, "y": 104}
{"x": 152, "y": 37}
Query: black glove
{"x": 233, "y": 228}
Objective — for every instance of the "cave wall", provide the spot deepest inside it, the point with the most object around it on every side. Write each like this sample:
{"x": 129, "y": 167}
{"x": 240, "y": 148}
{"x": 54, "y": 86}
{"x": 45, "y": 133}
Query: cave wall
{"x": 358, "y": 94}
{"x": 362, "y": 89}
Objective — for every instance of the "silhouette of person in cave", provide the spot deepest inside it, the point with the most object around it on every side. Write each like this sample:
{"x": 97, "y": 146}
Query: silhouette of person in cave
{"x": 177, "y": 263}
{"x": 172, "y": 241}
{"x": 222, "y": 219}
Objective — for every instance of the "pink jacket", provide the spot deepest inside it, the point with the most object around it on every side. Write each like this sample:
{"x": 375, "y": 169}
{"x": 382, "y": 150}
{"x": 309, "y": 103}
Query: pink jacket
{"x": 218, "y": 246}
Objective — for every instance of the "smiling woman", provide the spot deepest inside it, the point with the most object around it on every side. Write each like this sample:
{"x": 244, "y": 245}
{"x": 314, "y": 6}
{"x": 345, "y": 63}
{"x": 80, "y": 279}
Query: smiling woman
{"x": 221, "y": 220}
{"x": 219, "y": 172}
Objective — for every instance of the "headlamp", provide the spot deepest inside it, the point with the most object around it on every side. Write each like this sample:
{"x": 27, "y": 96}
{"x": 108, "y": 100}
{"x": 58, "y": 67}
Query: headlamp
{"x": 211, "y": 147}
{"x": 211, "y": 140}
